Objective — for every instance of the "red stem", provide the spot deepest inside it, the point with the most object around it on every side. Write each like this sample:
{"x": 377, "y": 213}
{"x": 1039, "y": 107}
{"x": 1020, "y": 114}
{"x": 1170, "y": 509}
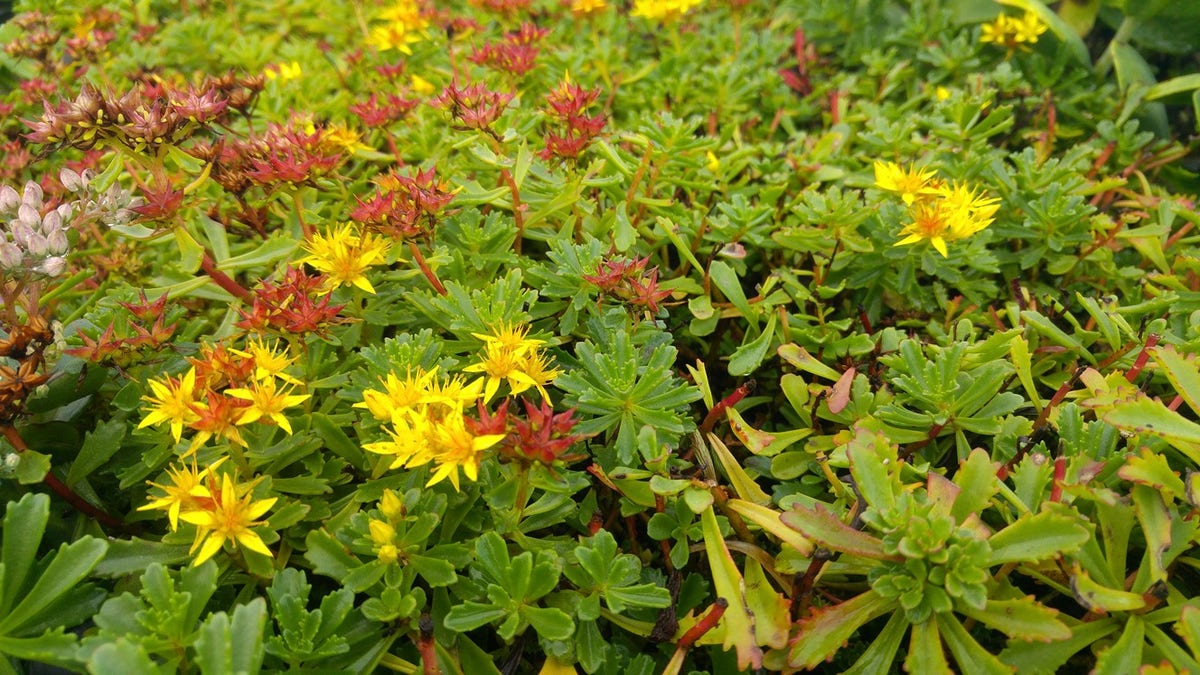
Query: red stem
{"x": 61, "y": 488}
{"x": 705, "y": 624}
{"x": 420, "y": 260}
{"x": 224, "y": 280}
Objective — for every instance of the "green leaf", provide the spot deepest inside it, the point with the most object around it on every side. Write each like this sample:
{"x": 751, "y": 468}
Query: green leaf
{"x": 726, "y": 281}
{"x": 970, "y": 655}
{"x": 823, "y": 632}
{"x": 127, "y": 556}
{"x": 743, "y": 485}
{"x": 1182, "y": 371}
{"x": 1153, "y": 470}
{"x": 590, "y": 646}
{"x": 53, "y": 646}
{"x": 70, "y": 564}
{"x": 976, "y": 478}
{"x": 328, "y": 556}
{"x": 1101, "y": 599}
{"x": 470, "y": 615}
{"x": 875, "y": 467}
{"x": 823, "y": 527}
{"x": 737, "y": 622}
{"x": 336, "y": 439}
{"x": 224, "y": 646}
{"x": 1144, "y": 415}
{"x": 1020, "y": 619}
{"x": 880, "y": 655}
{"x": 1155, "y": 519}
{"x": 925, "y": 652}
{"x": 99, "y": 446}
{"x": 1037, "y": 537}
{"x": 550, "y": 623}
{"x": 749, "y": 356}
{"x": 1125, "y": 655}
{"x": 125, "y": 657}
{"x": 32, "y": 467}
{"x": 1048, "y": 657}
{"x": 29, "y": 517}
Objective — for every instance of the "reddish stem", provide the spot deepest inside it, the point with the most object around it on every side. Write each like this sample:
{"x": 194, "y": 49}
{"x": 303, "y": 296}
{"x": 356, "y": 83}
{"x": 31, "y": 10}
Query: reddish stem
{"x": 224, "y": 280}
{"x": 61, "y": 488}
{"x": 705, "y": 624}
{"x": 429, "y": 663}
{"x": 517, "y": 207}
{"x": 425, "y": 269}
{"x": 1060, "y": 474}
{"x": 710, "y": 420}
{"x": 1143, "y": 356}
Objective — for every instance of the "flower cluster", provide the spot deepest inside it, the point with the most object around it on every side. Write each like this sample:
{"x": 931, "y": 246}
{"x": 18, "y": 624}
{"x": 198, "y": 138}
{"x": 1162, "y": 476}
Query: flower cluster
{"x": 573, "y": 128}
{"x": 148, "y": 333}
{"x": 629, "y": 281}
{"x": 147, "y": 117}
{"x": 940, "y": 212}
{"x": 473, "y": 106}
{"x": 222, "y": 509}
{"x": 427, "y": 424}
{"x": 343, "y": 256}
{"x": 663, "y": 10}
{"x": 404, "y": 207}
{"x": 295, "y": 304}
{"x": 1013, "y": 33}
{"x": 383, "y": 532}
{"x": 510, "y": 356}
{"x": 515, "y": 54}
{"x": 112, "y": 206}
{"x": 402, "y": 24}
{"x": 34, "y": 239}
{"x": 224, "y": 389}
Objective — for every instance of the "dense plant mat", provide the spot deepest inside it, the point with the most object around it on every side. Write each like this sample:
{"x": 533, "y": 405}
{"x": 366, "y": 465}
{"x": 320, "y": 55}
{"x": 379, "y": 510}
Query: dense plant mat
{"x": 649, "y": 336}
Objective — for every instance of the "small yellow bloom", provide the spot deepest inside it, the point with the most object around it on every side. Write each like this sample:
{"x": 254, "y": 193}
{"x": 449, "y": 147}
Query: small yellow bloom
{"x": 173, "y": 401}
{"x": 539, "y": 369}
{"x": 227, "y": 517}
{"x": 381, "y": 533}
{"x": 941, "y": 93}
{"x": 956, "y": 212}
{"x": 409, "y": 441}
{"x": 714, "y": 164}
{"x": 344, "y": 256}
{"x": 268, "y": 362}
{"x": 284, "y": 72}
{"x": 663, "y": 10}
{"x": 186, "y": 488}
{"x": 583, "y": 7}
{"x": 501, "y": 364}
{"x": 1013, "y": 33}
{"x": 455, "y": 447}
{"x": 510, "y": 337}
{"x": 421, "y": 85}
{"x": 399, "y": 398}
{"x": 267, "y": 402}
{"x": 908, "y": 183}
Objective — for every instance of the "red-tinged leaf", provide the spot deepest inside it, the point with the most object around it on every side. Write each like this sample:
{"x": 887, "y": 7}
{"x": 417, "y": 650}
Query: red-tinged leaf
{"x": 1150, "y": 468}
{"x": 827, "y": 630}
{"x": 1188, "y": 627}
{"x": 839, "y": 393}
{"x": 761, "y": 442}
{"x": 823, "y": 527}
{"x": 1021, "y": 619}
{"x": 1147, "y": 416}
{"x": 1181, "y": 371}
{"x": 792, "y": 80}
{"x": 942, "y": 493}
{"x": 727, "y": 583}
{"x": 771, "y": 520}
{"x": 925, "y": 653}
{"x": 1101, "y": 599}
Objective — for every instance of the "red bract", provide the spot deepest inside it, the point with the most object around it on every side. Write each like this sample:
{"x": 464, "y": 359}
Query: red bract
{"x": 515, "y": 54}
{"x": 292, "y": 305}
{"x": 543, "y": 436}
{"x": 474, "y": 106}
{"x": 159, "y": 203}
{"x": 374, "y": 114}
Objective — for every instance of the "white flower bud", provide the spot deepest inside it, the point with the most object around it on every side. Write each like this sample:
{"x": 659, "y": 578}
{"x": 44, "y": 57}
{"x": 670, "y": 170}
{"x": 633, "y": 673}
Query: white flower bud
{"x": 52, "y": 222}
{"x": 52, "y": 266}
{"x": 37, "y": 246}
{"x": 57, "y": 242}
{"x": 22, "y": 232}
{"x": 71, "y": 180}
{"x": 9, "y": 199}
{"x": 29, "y": 215}
{"x": 65, "y": 211}
{"x": 33, "y": 195}
{"x": 11, "y": 256}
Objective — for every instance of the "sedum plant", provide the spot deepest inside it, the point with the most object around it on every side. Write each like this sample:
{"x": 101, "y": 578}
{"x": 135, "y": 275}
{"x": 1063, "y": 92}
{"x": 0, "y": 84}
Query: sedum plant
{"x": 665, "y": 336}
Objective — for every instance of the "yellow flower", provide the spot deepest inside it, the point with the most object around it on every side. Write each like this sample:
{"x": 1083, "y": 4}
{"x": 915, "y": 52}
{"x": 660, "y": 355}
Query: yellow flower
{"x": 187, "y": 485}
{"x": 663, "y": 10}
{"x": 538, "y": 368}
{"x": 344, "y": 256}
{"x": 421, "y": 85}
{"x": 501, "y": 364}
{"x": 956, "y": 214}
{"x": 941, "y": 93}
{"x": 908, "y": 183}
{"x": 174, "y": 401}
{"x": 931, "y": 222}
{"x": 268, "y": 362}
{"x": 510, "y": 337}
{"x": 582, "y": 7}
{"x": 453, "y": 393}
{"x": 455, "y": 447}
{"x": 1013, "y": 33}
{"x": 409, "y": 442}
{"x": 266, "y": 402}
{"x": 381, "y": 533}
{"x": 227, "y": 517}
{"x": 399, "y": 398}
{"x": 283, "y": 71}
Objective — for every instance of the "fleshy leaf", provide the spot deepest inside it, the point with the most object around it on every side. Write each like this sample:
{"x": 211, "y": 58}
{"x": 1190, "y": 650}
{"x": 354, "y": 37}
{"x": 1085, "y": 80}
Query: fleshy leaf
{"x": 1021, "y": 619}
{"x": 728, "y": 584}
{"x": 824, "y": 528}
{"x": 825, "y": 631}
{"x": 1037, "y": 537}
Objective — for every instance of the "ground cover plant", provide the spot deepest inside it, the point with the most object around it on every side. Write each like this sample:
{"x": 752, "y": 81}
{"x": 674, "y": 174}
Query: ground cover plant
{"x": 650, "y": 336}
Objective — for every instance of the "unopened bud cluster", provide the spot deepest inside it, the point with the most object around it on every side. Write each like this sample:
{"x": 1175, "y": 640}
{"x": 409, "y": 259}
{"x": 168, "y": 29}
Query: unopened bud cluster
{"x": 35, "y": 239}
{"x": 112, "y": 206}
